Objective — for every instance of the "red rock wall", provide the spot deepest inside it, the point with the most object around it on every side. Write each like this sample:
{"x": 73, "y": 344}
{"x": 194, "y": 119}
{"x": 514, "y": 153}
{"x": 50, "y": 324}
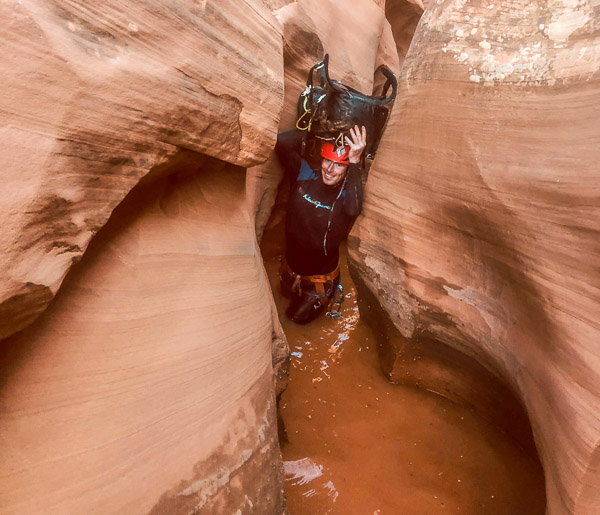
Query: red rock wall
{"x": 482, "y": 214}
{"x": 94, "y": 97}
{"x": 147, "y": 386}
{"x": 403, "y": 15}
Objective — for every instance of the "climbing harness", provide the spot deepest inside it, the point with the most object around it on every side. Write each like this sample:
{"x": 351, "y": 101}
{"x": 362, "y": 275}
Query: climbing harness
{"x": 312, "y": 293}
{"x": 318, "y": 281}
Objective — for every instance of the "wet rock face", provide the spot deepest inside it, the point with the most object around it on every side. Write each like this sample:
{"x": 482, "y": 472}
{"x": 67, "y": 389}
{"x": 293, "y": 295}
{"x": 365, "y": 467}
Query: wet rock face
{"x": 93, "y": 99}
{"x": 481, "y": 221}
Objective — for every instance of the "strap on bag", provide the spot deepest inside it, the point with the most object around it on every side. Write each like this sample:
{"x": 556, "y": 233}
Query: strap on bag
{"x": 309, "y": 107}
{"x": 304, "y": 122}
{"x": 344, "y": 88}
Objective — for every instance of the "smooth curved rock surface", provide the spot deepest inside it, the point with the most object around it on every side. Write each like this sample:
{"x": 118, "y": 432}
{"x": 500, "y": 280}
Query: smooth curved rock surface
{"x": 480, "y": 230}
{"x": 147, "y": 386}
{"x": 404, "y": 15}
{"x": 94, "y": 97}
{"x": 482, "y": 214}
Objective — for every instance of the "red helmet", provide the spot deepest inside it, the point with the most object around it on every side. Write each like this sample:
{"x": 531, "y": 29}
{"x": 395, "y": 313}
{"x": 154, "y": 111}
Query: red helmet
{"x": 335, "y": 154}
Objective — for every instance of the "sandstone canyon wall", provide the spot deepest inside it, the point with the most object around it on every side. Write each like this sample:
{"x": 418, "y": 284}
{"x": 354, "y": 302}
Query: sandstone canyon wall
{"x": 480, "y": 229}
{"x": 147, "y": 386}
{"x": 95, "y": 97}
{"x": 403, "y": 16}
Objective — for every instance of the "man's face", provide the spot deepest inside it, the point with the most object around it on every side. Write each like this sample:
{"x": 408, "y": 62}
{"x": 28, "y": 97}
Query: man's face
{"x": 332, "y": 172}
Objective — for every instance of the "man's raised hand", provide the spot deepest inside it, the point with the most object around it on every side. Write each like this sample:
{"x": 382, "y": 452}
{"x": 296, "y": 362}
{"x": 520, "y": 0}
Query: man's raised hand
{"x": 357, "y": 142}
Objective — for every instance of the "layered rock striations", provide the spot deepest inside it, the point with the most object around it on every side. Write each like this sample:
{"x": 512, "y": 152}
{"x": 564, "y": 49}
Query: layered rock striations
{"x": 94, "y": 97}
{"x": 147, "y": 385}
{"x": 481, "y": 222}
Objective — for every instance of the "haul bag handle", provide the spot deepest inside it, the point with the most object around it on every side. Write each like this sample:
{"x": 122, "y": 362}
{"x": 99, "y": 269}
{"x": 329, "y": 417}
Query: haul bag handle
{"x": 341, "y": 87}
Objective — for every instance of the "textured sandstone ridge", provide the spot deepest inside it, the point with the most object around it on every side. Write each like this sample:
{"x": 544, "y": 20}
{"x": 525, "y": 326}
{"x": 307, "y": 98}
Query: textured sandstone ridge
{"x": 95, "y": 96}
{"x": 146, "y": 387}
{"x": 309, "y": 33}
{"x": 482, "y": 215}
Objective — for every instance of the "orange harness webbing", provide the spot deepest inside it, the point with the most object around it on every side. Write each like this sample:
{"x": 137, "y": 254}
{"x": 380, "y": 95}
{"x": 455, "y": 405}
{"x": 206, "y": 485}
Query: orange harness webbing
{"x": 318, "y": 280}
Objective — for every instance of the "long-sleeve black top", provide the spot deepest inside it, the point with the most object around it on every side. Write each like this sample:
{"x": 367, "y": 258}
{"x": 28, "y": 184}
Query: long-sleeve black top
{"x": 319, "y": 216}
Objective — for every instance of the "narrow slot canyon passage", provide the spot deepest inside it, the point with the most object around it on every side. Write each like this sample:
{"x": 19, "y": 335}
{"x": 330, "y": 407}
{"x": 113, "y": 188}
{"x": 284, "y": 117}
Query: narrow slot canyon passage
{"x": 356, "y": 444}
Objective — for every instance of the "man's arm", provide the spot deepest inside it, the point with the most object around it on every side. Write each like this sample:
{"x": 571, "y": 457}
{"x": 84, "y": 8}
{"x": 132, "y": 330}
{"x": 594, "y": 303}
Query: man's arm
{"x": 288, "y": 151}
{"x": 354, "y": 193}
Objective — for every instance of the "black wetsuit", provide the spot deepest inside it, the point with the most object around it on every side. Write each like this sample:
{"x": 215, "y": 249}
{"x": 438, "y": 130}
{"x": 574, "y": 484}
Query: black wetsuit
{"x": 319, "y": 217}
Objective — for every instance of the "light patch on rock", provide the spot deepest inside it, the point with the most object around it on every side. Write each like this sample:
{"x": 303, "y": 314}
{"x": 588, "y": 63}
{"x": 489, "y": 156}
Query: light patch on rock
{"x": 209, "y": 486}
{"x": 331, "y": 491}
{"x": 529, "y": 63}
{"x": 522, "y": 57}
{"x": 476, "y": 300}
{"x": 580, "y": 61}
{"x": 567, "y": 23}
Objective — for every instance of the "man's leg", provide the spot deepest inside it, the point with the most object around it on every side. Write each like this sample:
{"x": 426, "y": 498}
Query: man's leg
{"x": 313, "y": 300}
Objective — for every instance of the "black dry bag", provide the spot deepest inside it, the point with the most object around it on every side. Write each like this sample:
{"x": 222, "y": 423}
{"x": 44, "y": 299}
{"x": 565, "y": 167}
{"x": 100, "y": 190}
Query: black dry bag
{"x": 328, "y": 110}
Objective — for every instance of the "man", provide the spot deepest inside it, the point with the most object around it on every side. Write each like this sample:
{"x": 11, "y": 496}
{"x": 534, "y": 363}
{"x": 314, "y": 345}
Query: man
{"x": 322, "y": 208}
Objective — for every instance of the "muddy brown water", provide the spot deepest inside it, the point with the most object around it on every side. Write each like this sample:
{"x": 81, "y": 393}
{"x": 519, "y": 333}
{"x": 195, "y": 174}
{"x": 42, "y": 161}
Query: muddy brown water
{"x": 359, "y": 445}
